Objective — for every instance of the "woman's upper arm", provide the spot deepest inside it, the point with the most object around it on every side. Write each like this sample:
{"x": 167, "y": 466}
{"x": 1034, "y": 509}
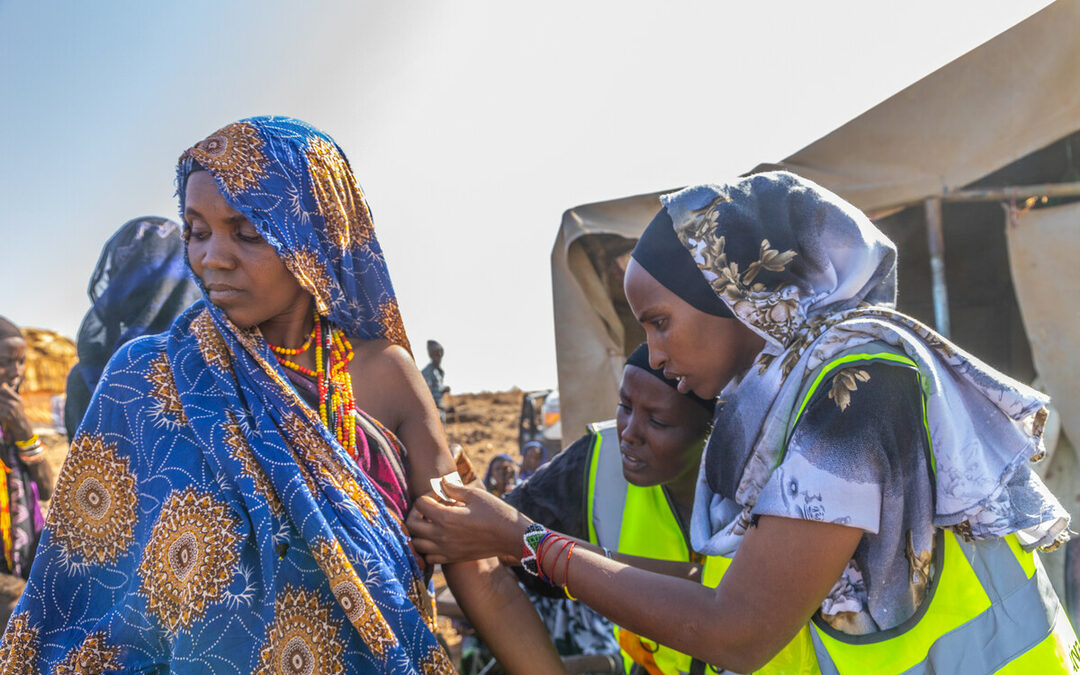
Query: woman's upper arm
{"x": 415, "y": 420}
{"x": 783, "y": 570}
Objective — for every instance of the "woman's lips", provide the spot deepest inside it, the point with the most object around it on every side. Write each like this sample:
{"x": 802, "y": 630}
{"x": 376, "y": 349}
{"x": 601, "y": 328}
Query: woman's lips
{"x": 632, "y": 463}
{"x": 680, "y": 381}
{"x": 681, "y": 386}
{"x": 219, "y": 292}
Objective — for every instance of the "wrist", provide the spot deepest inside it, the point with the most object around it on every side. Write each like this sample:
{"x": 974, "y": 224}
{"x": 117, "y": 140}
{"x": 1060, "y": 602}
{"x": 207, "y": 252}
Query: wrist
{"x": 30, "y": 451}
{"x": 511, "y": 543}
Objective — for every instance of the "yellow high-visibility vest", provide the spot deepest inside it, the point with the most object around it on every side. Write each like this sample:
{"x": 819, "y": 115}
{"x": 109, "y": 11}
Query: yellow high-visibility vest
{"x": 989, "y": 607}
{"x": 641, "y": 521}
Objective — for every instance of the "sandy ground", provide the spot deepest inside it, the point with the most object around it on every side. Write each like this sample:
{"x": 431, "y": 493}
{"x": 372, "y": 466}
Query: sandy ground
{"x": 486, "y": 424}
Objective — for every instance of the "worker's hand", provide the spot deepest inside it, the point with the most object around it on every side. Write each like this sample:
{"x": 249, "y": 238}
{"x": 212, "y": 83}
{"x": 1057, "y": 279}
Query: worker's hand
{"x": 13, "y": 415}
{"x": 478, "y": 526}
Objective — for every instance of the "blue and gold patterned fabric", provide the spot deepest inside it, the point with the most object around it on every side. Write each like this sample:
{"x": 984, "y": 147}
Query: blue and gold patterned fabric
{"x": 205, "y": 520}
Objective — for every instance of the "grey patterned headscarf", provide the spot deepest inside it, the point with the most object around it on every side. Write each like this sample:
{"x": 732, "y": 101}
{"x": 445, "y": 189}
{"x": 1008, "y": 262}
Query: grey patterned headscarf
{"x": 814, "y": 277}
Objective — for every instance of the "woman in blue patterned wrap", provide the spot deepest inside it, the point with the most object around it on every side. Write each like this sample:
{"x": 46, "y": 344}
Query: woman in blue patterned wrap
{"x": 232, "y": 502}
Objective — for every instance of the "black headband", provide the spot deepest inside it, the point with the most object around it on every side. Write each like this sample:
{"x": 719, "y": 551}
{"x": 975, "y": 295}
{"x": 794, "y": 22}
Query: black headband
{"x": 640, "y": 359}
{"x": 663, "y": 256}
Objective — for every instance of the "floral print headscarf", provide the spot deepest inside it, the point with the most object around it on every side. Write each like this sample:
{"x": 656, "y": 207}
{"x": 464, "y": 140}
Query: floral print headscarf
{"x": 814, "y": 277}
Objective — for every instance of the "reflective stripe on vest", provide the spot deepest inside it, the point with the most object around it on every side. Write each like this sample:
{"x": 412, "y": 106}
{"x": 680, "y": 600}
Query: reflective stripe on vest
{"x": 606, "y": 489}
{"x": 989, "y": 607}
{"x": 992, "y": 610}
{"x": 651, "y": 531}
{"x": 640, "y": 522}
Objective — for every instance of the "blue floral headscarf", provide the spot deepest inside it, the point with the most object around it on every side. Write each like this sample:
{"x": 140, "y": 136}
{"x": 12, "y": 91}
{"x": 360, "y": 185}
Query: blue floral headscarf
{"x": 205, "y": 518}
{"x": 296, "y": 187}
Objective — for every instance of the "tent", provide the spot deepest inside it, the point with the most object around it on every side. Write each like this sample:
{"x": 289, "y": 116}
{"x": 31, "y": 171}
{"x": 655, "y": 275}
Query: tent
{"x": 930, "y": 165}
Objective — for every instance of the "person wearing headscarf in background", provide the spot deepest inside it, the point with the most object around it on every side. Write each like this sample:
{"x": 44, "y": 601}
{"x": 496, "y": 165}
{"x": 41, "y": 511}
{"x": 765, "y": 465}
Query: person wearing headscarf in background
{"x": 501, "y": 475}
{"x": 25, "y": 477}
{"x": 140, "y": 285}
{"x": 869, "y": 479}
{"x": 533, "y": 456}
{"x": 208, "y": 516}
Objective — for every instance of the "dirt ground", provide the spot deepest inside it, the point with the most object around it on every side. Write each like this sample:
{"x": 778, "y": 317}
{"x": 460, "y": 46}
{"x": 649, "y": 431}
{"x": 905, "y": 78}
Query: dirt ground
{"x": 485, "y": 424}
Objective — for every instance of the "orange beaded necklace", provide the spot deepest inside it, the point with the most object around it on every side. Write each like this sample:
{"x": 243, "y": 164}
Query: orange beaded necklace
{"x": 333, "y": 353}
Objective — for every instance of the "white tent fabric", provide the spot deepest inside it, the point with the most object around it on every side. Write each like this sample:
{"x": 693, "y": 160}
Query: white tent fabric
{"x": 589, "y": 339}
{"x": 1043, "y": 245}
{"x": 1042, "y": 258}
{"x": 1012, "y": 95}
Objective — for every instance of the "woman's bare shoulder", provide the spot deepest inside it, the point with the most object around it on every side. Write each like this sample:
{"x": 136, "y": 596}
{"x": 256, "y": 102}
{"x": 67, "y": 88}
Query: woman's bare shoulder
{"x": 382, "y": 355}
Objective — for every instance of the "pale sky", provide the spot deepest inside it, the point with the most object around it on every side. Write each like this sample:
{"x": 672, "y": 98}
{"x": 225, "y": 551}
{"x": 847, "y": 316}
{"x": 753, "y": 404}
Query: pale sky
{"x": 471, "y": 126}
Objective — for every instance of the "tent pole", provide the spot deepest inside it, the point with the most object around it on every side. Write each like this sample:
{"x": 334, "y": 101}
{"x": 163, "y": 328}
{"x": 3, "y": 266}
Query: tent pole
{"x": 936, "y": 242}
{"x": 1019, "y": 192}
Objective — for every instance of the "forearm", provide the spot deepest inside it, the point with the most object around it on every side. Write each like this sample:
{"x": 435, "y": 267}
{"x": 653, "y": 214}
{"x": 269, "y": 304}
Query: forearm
{"x": 682, "y": 614}
{"x": 502, "y": 614}
{"x": 670, "y": 568}
{"x": 783, "y": 570}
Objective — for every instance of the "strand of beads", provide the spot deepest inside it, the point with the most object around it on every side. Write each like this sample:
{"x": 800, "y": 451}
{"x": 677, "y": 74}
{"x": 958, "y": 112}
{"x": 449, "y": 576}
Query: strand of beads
{"x": 345, "y": 401}
{"x": 333, "y": 353}
{"x": 281, "y": 352}
{"x": 320, "y": 369}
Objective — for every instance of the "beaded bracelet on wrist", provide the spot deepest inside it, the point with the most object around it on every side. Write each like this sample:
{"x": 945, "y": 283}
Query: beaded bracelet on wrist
{"x": 531, "y": 540}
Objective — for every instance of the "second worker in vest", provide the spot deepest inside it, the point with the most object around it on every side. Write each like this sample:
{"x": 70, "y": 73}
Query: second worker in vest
{"x": 628, "y": 485}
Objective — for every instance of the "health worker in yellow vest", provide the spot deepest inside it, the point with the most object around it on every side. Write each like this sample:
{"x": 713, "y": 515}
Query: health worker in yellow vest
{"x": 869, "y": 479}
{"x": 628, "y": 485}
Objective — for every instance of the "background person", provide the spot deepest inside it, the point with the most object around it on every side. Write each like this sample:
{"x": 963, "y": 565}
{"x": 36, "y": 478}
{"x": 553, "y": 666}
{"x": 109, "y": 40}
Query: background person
{"x": 435, "y": 377}
{"x": 501, "y": 475}
{"x": 140, "y": 285}
{"x": 533, "y": 456}
{"x": 25, "y": 479}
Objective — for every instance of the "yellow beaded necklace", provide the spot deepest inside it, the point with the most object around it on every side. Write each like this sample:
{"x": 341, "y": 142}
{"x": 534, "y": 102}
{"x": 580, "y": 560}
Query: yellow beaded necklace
{"x": 332, "y": 379}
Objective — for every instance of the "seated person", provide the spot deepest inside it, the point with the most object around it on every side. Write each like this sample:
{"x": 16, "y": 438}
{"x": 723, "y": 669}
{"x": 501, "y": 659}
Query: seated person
{"x": 501, "y": 475}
